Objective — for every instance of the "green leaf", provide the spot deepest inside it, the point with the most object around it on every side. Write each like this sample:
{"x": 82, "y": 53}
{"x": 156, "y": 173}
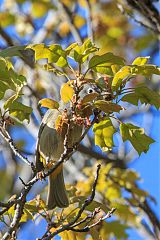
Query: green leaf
{"x": 145, "y": 70}
{"x": 104, "y": 70}
{"x": 60, "y": 54}
{"x": 70, "y": 48}
{"x": 140, "y": 61}
{"x": 19, "y": 80}
{"x": 10, "y": 100}
{"x": 5, "y": 77}
{"x": 122, "y": 74}
{"x": 139, "y": 140}
{"x": 143, "y": 94}
{"x": 87, "y": 48}
{"x": 89, "y": 98}
{"x": 103, "y": 63}
{"x": 8, "y": 78}
{"x": 17, "y": 109}
{"x": 49, "y": 103}
{"x": 54, "y": 54}
{"x": 41, "y": 51}
{"x": 107, "y": 107}
{"x": 81, "y": 53}
{"x": 104, "y": 131}
{"x": 12, "y": 51}
{"x": 4, "y": 87}
{"x": 127, "y": 71}
{"x": 20, "y": 111}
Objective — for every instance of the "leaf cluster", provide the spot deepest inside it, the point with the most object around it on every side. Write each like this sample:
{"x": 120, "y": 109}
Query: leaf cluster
{"x": 112, "y": 76}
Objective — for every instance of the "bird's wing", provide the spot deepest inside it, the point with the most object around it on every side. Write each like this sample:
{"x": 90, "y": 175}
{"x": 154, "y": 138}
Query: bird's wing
{"x": 48, "y": 140}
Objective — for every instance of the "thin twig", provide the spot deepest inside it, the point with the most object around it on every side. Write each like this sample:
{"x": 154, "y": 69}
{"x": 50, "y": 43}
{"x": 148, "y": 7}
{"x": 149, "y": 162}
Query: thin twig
{"x": 4, "y": 133}
{"x": 123, "y": 11}
{"x": 6, "y": 37}
{"x": 88, "y": 227}
{"x": 6, "y": 206}
{"x": 69, "y": 225}
{"x": 17, "y": 215}
{"x": 89, "y": 21}
{"x": 69, "y": 19}
{"x": 117, "y": 162}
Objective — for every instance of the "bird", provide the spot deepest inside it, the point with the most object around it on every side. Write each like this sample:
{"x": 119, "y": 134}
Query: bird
{"x": 50, "y": 146}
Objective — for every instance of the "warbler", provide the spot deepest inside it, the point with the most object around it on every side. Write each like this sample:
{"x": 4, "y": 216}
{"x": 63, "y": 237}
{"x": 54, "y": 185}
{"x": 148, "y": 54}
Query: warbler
{"x": 50, "y": 146}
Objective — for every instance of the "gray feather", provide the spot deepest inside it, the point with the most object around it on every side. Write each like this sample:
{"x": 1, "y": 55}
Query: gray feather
{"x": 57, "y": 195}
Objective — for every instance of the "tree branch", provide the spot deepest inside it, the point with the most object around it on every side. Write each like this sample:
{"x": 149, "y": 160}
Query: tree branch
{"x": 4, "y": 133}
{"x": 72, "y": 224}
{"x": 6, "y": 206}
{"x": 68, "y": 16}
{"x": 92, "y": 153}
{"x": 89, "y": 21}
{"x": 146, "y": 9}
{"x": 6, "y": 37}
{"x": 88, "y": 227}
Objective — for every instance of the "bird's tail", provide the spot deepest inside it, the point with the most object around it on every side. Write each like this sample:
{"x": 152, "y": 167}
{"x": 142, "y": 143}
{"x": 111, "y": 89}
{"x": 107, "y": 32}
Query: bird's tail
{"x": 57, "y": 195}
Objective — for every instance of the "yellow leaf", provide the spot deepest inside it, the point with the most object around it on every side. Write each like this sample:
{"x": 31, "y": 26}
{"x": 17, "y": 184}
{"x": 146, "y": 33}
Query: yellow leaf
{"x": 39, "y": 9}
{"x": 79, "y": 21}
{"x": 49, "y": 103}
{"x": 67, "y": 235}
{"x": 6, "y": 19}
{"x": 82, "y": 3}
{"x": 66, "y": 92}
{"x": 115, "y": 68}
{"x": 113, "y": 192}
{"x": 11, "y": 211}
{"x": 119, "y": 76}
{"x": 140, "y": 61}
{"x": 58, "y": 122}
{"x": 104, "y": 131}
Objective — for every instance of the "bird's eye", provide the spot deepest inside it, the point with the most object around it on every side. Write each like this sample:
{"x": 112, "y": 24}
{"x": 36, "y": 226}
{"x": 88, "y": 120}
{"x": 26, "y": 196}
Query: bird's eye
{"x": 90, "y": 90}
